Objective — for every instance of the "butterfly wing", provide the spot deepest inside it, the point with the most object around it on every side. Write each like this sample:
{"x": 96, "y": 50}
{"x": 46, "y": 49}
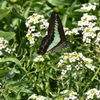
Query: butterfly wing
{"x": 63, "y": 43}
{"x": 60, "y": 29}
{"x": 47, "y": 40}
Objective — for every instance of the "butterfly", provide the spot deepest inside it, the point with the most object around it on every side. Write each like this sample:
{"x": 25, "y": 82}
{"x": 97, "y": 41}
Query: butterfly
{"x": 55, "y": 39}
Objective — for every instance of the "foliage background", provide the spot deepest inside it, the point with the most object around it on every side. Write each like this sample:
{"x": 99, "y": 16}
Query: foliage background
{"x": 20, "y": 76}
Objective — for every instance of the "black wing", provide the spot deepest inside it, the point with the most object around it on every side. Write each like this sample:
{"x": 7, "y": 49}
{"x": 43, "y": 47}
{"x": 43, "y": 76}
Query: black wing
{"x": 47, "y": 40}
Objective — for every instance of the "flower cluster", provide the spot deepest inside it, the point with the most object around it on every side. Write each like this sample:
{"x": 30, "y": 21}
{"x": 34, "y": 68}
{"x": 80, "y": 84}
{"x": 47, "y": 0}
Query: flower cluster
{"x": 4, "y": 46}
{"x": 35, "y": 97}
{"x": 74, "y": 31}
{"x": 86, "y": 20}
{"x": 39, "y": 59}
{"x": 89, "y": 6}
{"x": 33, "y": 23}
{"x": 93, "y": 94}
{"x": 71, "y": 96}
{"x": 88, "y": 27}
{"x": 75, "y": 61}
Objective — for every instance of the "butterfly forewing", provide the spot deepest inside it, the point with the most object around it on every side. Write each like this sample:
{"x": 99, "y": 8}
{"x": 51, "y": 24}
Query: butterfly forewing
{"x": 56, "y": 38}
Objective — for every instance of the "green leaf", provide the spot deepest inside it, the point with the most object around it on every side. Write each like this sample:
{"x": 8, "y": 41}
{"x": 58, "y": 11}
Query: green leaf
{"x": 16, "y": 12}
{"x": 3, "y": 13}
{"x": 2, "y": 72}
{"x": 92, "y": 1}
{"x": 57, "y": 2}
{"x": 64, "y": 20}
{"x": 7, "y": 35}
{"x": 16, "y": 61}
{"x": 72, "y": 6}
{"x": 62, "y": 95}
{"x": 26, "y": 12}
{"x": 3, "y": 4}
{"x": 80, "y": 10}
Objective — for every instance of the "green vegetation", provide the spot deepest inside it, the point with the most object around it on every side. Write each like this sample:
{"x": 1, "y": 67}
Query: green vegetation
{"x": 69, "y": 74}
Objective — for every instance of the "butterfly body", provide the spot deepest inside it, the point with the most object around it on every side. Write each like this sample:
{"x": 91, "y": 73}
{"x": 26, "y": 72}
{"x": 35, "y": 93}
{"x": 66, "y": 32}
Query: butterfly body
{"x": 55, "y": 32}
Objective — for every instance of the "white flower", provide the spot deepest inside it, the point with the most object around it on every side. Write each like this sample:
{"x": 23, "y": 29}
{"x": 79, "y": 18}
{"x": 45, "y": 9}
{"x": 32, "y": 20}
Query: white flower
{"x": 68, "y": 67}
{"x": 63, "y": 72}
{"x": 29, "y": 33}
{"x": 65, "y": 56}
{"x": 1, "y": 53}
{"x": 1, "y": 39}
{"x": 38, "y": 34}
{"x": 39, "y": 59}
{"x": 42, "y": 26}
{"x": 91, "y": 93}
{"x": 5, "y": 41}
{"x": 66, "y": 98}
{"x": 90, "y": 66}
{"x": 87, "y": 60}
{"x": 64, "y": 91}
{"x": 32, "y": 41}
{"x": 76, "y": 59}
{"x": 8, "y": 50}
{"x": 68, "y": 32}
{"x": 28, "y": 23}
{"x": 33, "y": 23}
{"x": 86, "y": 40}
{"x": 98, "y": 94}
{"x": 89, "y": 33}
{"x": 97, "y": 39}
{"x": 32, "y": 28}
{"x": 75, "y": 31}
{"x": 32, "y": 96}
{"x": 78, "y": 66}
{"x": 92, "y": 24}
{"x": 34, "y": 19}
{"x": 66, "y": 29}
{"x": 45, "y": 23}
{"x": 13, "y": 49}
{"x": 73, "y": 59}
{"x": 95, "y": 28}
{"x": 73, "y": 95}
{"x": 81, "y": 55}
{"x": 60, "y": 63}
{"x": 2, "y": 46}
{"x": 85, "y": 20}
{"x": 89, "y": 6}
{"x": 74, "y": 75}
{"x": 40, "y": 98}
